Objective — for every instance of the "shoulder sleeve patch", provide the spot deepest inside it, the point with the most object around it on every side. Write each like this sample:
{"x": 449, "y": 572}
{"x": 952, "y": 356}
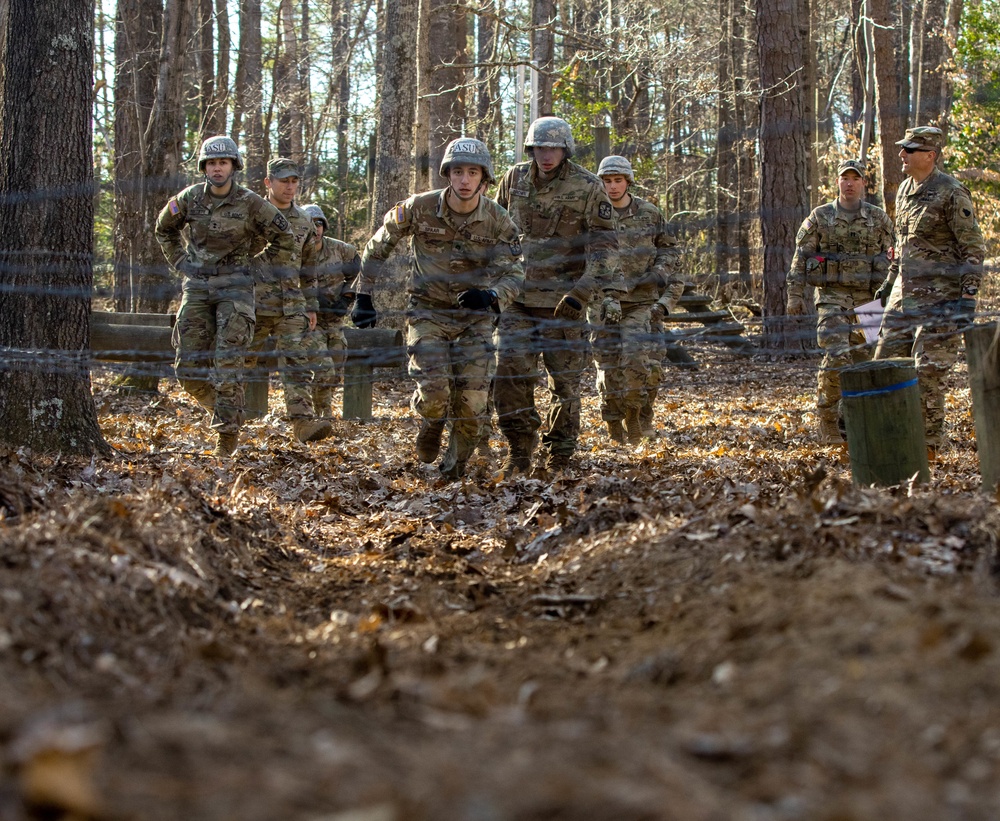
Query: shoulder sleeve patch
{"x": 515, "y": 248}
{"x": 398, "y": 214}
{"x": 280, "y": 222}
{"x": 604, "y": 210}
{"x": 174, "y": 207}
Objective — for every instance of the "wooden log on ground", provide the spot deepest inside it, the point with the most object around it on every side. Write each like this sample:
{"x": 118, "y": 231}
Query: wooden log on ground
{"x": 123, "y": 318}
{"x": 880, "y": 401}
{"x": 982, "y": 349}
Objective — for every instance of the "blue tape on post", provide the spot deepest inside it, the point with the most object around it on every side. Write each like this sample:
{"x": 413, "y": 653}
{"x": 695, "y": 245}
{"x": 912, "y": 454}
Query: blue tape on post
{"x": 879, "y": 391}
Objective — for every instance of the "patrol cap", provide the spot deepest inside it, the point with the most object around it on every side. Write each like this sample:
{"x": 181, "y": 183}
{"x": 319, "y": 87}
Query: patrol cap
{"x": 856, "y": 166}
{"x": 281, "y": 168}
{"x": 924, "y": 136}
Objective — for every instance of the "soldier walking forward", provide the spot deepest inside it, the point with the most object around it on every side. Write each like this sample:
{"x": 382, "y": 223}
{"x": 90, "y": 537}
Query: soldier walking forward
{"x": 216, "y": 316}
{"x": 842, "y": 249}
{"x": 287, "y": 305}
{"x": 934, "y": 276}
{"x": 466, "y": 270}
{"x": 570, "y": 251}
{"x": 337, "y": 266}
{"x": 626, "y": 349}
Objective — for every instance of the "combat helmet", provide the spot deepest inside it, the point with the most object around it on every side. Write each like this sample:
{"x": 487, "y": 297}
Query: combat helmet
{"x": 219, "y": 147}
{"x": 614, "y": 164}
{"x": 550, "y": 132}
{"x": 314, "y": 212}
{"x": 468, "y": 151}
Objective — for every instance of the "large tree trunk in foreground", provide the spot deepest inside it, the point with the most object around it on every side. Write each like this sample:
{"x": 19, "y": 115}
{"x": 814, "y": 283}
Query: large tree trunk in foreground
{"x": 46, "y": 226}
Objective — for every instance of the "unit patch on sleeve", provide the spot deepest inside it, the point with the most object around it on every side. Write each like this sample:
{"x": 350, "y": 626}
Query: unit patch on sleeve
{"x": 604, "y": 210}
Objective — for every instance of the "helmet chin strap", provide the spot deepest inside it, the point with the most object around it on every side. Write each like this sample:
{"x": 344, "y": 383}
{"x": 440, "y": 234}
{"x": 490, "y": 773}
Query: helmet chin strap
{"x": 232, "y": 173}
{"x": 471, "y": 196}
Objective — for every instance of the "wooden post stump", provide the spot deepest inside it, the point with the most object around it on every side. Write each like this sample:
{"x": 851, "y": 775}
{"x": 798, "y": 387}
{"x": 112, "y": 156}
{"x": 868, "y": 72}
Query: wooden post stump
{"x": 984, "y": 384}
{"x": 880, "y": 401}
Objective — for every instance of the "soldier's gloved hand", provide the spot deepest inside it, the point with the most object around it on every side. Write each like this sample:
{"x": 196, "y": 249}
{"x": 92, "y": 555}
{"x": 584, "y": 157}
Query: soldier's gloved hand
{"x": 658, "y": 312}
{"x": 796, "y": 306}
{"x": 341, "y": 305}
{"x": 611, "y": 310}
{"x": 882, "y": 294}
{"x": 364, "y": 314}
{"x": 476, "y": 299}
{"x": 571, "y": 306}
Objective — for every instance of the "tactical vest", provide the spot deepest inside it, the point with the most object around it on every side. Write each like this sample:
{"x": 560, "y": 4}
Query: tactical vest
{"x": 848, "y": 251}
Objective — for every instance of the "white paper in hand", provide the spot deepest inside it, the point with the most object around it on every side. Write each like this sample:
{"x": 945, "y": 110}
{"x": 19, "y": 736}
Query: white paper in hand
{"x": 870, "y": 317}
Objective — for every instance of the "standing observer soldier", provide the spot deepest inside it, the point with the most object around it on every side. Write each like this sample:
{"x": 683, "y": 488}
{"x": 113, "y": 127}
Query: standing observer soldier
{"x": 216, "y": 316}
{"x": 337, "y": 265}
{"x": 570, "y": 253}
{"x": 286, "y": 303}
{"x": 842, "y": 249}
{"x": 628, "y": 354}
{"x": 466, "y": 270}
{"x": 930, "y": 293}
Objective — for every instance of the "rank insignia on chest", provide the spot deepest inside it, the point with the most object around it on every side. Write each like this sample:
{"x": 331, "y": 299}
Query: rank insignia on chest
{"x": 604, "y": 210}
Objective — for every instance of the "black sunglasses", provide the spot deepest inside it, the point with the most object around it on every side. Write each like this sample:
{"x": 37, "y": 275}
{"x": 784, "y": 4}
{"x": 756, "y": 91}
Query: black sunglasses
{"x": 909, "y": 150}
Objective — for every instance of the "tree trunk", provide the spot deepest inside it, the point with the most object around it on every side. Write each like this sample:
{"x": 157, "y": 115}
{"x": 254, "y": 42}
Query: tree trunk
{"x": 543, "y": 50}
{"x": 784, "y": 197}
{"x": 46, "y": 242}
{"x": 888, "y": 100}
{"x": 726, "y": 202}
{"x": 396, "y": 92}
{"x": 447, "y": 35}
{"x": 249, "y": 98}
{"x": 341, "y": 59}
{"x": 422, "y": 125}
{"x": 287, "y": 91}
{"x": 487, "y": 76}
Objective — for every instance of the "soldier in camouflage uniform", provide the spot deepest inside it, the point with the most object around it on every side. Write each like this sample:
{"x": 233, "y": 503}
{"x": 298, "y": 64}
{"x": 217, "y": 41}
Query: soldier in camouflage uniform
{"x": 570, "y": 251}
{"x": 626, "y": 350}
{"x": 226, "y": 222}
{"x": 842, "y": 249}
{"x": 930, "y": 293}
{"x": 287, "y": 305}
{"x": 337, "y": 266}
{"x": 466, "y": 270}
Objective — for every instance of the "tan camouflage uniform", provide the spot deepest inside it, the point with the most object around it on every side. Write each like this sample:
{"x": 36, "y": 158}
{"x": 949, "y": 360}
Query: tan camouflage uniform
{"x": 215, "y": 321}
{"x": 286, "y": 292}
{"x": 337, "y": 265}
{"x": 845, "y": 256}
{"x": 938, "y": 261}
{"x": 450, "y": 349}
{"x": 569, "y": 245}
{"x": 629, "y": 354}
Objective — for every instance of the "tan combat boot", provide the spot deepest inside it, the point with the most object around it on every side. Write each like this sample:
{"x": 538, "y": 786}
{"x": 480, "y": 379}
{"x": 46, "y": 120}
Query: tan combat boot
{"x": 227, "y": 443}
{"x": 829, "y": 431}
{"x": 633, "y": 428}
{"x": 311, "y": 430}
{"x": 429, "y": 439}
{"x": 518, "y": 459}
{"x": 616, "y": 432}
{"x": 646, "y": 422}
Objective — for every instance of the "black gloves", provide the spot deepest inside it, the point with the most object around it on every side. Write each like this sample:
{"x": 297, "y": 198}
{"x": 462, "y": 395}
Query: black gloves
{"x": 882, "y": 294}
{"x": 364, "y": 314}
{"x": 477, "y": 300}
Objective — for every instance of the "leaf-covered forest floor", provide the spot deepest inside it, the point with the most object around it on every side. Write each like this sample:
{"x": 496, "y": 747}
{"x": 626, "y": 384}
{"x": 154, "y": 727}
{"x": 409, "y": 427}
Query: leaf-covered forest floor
{"x": 715, "y": 625}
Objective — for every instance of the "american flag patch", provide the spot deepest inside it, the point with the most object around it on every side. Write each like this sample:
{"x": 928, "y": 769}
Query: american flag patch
{"x": 400, "y": 213}
{"x": 174, "y": 207}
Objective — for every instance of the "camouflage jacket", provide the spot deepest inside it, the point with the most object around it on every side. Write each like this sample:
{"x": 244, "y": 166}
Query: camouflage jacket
{"x": 223, "y": 233}
{"x": 451, "y": 253}
{"x": 841, "y": 252}
{"x": 939, "y": 247}
{"x": 337, "y": 265}
{"x": 568, "y": 230}
{"x": 286, "y": 283}
{"x": 648, "y": 254}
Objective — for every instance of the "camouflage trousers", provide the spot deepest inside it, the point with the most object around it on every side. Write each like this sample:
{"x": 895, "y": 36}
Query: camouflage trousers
{"x": 625, "y": 356}
{"x": 842, "y": 340}
{"x": 294, "y": 363}
{"x": 452, "y": 359}
{"x": 524, "y": 335}
{"x": 327, "y": 349}
{"x": 215, "y": 323}
{"x": 932, "y": 337}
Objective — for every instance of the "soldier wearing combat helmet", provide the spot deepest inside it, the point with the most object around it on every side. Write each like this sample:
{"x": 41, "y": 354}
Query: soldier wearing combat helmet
{"x": 337, "y": 265}
{"x": 626, "y": 345}
{"x": 934, "y": 276}
{"x": 842, "y": 249}
{"x": 228, "y": 226}
{"x": 570, "y": 255}
{"x": 466, "y": 270}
